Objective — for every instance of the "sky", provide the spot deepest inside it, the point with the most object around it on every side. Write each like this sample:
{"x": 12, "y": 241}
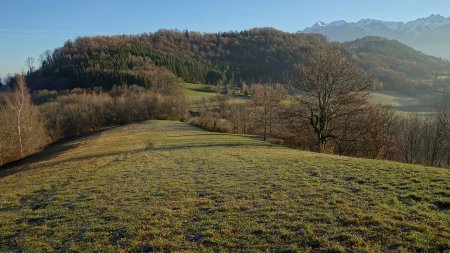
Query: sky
{"x": 29, "y": 27}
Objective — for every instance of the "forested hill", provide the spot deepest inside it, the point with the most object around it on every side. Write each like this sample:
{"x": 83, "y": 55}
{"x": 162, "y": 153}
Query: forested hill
{"x": 257, "y": 55}
{"x": 399, "y": 67}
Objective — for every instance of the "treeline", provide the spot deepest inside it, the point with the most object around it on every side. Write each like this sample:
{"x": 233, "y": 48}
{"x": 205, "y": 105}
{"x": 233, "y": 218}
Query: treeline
{"x": 26, "y": 128}
{"x": 263, "y": 55}
{"x": 378, "y": 133}
{"x": 105, "y": 62}
{"x": 81, "y": 111}
{"x": 257, "y": 55}
{"x": 425, "y": 139}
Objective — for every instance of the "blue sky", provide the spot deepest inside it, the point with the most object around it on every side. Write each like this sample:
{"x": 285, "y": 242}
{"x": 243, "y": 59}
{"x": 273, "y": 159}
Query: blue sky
{"x": 29, "y": 27}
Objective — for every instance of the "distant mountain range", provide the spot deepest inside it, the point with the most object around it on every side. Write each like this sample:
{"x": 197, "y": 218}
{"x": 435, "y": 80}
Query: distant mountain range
{"x": 430, "y": 35}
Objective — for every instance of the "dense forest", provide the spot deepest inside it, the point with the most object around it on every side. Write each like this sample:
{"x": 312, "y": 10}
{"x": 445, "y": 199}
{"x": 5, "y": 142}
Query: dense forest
{"x": 263, "y": 55}
{"x": 258, "y": 55}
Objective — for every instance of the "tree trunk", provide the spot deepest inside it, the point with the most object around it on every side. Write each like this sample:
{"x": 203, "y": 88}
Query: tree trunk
{"x": 19, "y": 132}
{"x": 265, "y": 132}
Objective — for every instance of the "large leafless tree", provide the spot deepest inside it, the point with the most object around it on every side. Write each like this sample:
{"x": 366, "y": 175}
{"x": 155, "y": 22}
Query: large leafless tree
{"x": 328, "y": 90}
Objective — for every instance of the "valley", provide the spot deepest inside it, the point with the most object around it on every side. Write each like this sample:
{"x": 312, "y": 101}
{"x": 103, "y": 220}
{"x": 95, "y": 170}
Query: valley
{"x": 220, "y": 126}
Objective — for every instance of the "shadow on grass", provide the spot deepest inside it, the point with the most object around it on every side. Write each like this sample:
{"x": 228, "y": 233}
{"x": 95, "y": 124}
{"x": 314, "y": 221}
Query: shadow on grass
{"x": 65, "y": 145}
{"x": 255, "y": 137}
{"x": 48, "y": 153}
{"x": 219, "y": 134}
{"x": 87, "y": 157}
{"x": 212, "y": 145}
{"x": 194, "y": 135}
{"x": 206, "y": 90}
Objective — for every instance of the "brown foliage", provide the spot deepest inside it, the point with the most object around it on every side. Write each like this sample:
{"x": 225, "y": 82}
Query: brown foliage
{"x": 21, "y": 129}
{"x": 81, "y": 111}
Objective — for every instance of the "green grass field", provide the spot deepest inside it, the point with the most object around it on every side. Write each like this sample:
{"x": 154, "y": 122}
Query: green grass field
{"x": 402, "y": 102}
{"x": 167, "y": 186}
{"x": 196, "y": 92}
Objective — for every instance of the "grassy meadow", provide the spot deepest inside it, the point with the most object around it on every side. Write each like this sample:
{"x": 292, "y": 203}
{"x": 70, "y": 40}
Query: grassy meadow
{"x": 168, "y": 186}
{"x": 196, "y": 92}
{"x": 403, "y": 103}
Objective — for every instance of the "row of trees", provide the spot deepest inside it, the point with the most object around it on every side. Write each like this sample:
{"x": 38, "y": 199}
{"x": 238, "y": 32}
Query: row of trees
{"x": 25, "y": 128}
{"x": 376, "y": 132}
{"x": 426, "y": 139}
{"x": 326, "y": 110}
{"x": 82, "y": 111}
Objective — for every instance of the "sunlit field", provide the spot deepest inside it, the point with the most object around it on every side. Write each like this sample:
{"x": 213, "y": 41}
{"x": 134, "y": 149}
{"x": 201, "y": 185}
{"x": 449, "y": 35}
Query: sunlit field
{"x": 169, "y": 186}
{"x": 196, "y": 92}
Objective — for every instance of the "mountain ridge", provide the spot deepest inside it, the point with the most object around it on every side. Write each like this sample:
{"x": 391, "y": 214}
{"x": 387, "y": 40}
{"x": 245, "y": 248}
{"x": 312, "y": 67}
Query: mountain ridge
{"x": 424, "y": 34}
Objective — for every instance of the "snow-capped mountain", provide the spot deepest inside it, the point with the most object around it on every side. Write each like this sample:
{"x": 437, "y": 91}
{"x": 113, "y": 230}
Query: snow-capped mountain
{"x": 430, "y": 35}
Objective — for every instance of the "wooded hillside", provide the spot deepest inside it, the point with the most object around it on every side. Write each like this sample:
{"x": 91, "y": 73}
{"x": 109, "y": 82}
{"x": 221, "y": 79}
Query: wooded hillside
{"x": 257, "y": 55}
{"x": 263, "y": 55}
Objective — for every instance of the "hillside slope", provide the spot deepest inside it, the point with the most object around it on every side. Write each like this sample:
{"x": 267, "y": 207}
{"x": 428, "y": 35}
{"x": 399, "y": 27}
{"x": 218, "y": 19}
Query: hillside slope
{"x": 168, "y": 186}
{"x": 258, "y": 55}
{"x": 399, "y": 67}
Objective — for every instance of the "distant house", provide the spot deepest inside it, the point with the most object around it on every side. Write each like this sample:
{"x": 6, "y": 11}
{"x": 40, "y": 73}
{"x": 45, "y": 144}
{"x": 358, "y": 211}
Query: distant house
{"x": 230, "y": 90}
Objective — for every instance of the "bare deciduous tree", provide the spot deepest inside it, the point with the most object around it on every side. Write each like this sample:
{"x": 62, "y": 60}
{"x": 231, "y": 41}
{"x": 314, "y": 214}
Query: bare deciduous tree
{"x": 239, "y": 117}
{"x": 409, "y": 138}
{"x": 30, "y": 64}
{"x": 221, "y": 103}
{"x": 21, "y": 124}
{"x": 266, "y": 101}
{"x": 16, "y": 102}
{"x": 330, "y": 88}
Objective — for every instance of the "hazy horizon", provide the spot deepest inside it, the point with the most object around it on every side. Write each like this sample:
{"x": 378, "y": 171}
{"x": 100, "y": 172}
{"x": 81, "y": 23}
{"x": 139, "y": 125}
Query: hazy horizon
{"x": 28, "y": 28}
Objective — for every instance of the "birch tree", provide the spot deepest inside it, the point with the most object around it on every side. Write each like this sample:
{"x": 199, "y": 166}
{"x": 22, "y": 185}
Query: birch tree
{"x": 23, "y": 124}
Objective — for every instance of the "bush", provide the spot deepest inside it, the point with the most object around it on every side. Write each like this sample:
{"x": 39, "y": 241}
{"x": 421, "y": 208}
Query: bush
{"x": 83, "y": 111}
